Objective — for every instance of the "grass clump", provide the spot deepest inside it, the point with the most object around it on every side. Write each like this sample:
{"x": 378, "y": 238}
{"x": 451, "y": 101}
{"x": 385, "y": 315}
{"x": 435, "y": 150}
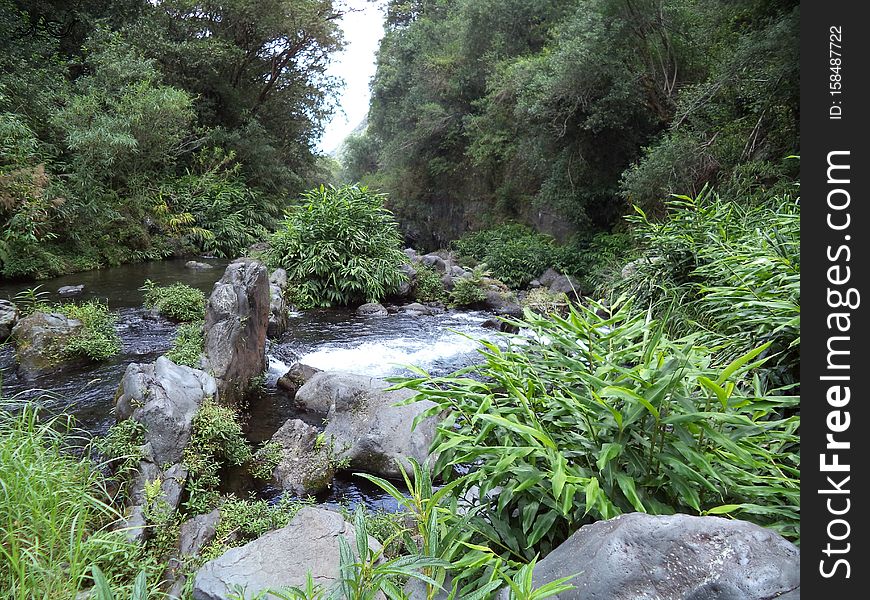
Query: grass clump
{"x": 178, "y": 301}
{"x": 97, "y": 340}
{"x": 53, "y": 513}
{"x": 216, "y": 441}
{"x": 340, "y": 246}
{"x": 188, "y": 345}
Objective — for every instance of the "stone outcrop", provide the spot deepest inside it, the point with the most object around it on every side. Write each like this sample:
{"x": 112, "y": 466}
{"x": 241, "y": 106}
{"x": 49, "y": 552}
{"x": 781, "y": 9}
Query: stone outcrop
{"x": 296, "y": 377}
{"x": 39, "y": 340}
{"x": 371, "y": 309}
{"x": 278, "y": 308}
{"x": 281, "y": 558}
{"x": 364, "y": 425}
{"x": 675, "y": 556}
{"x": 305, "y": 467}
{"x": 236, "y": 322}
{"x": 164, "y": 397}
{"x": 8, "y": 317}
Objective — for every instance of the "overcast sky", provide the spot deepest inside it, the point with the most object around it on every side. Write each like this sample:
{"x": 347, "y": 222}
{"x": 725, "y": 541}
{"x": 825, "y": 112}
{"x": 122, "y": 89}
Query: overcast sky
{"x": 363, "y": 30}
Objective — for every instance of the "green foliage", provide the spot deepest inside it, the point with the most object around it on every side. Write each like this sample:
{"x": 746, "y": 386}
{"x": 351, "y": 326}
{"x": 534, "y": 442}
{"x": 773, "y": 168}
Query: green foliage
{"x": 216, "y": 440}
{"x": 54, "y": 516}
{"x": 188, "y": 345}
{"x": 728, "y": 270}
{"x": 542, "y": 301}
{"x": 606, "y": 415}
{"x": 122, "y": 446}
{"x": 103, "y": 590}
{"x": 513, "y": 253}
{"x": 97, "y": 340}
{"x": 469, "y": 291}
{"x": 265, "y": 459}
{"x": 31, "y": 300}
{"x": 428, "y": 287}
{"x": 178, "y": 301}
{"x": 339, "y": 247}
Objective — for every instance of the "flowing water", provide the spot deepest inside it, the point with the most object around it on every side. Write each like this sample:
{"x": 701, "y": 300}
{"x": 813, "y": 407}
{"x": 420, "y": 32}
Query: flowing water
{"x": 335, "y": 339}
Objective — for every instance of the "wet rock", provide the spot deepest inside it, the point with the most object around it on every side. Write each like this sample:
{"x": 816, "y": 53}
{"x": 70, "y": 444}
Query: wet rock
{"x": 372, "y": 309}
{"x": 236, "y": 322}
{"x": 198, "y": 266}
{"x": 164, "y": 397}
{"x": 415, "y": 309}
{"x": 39, "y": 340}
{"x": 8, "y": 317}
{"x": 296, "y": 377}
{"x": 134, "y": 525}
{"x": 436, "y": 262}
{"x": 491, "y": 324}
{"x": 447, "y": 282}
{"x": 548, "y": 277}
{"x": 277, "y": 304}
{"x": 305, "y": 468}
{"x": 364, "y": 425}
{"x": 71, "y": 290}
{"x": 406, "y": 288}
{"x": 675, "y": 556}
{"x": 457, "y": 271}
{"x": 281, "y": 558}
{"x": 411, "y": 254}
{"x": 502, "y": 303}
{"x": 565, "y": 284}
{"x": 193, "y": 536}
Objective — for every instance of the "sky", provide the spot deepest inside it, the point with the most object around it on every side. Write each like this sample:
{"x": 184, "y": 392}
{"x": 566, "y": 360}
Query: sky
{"x": 363, "y": 30}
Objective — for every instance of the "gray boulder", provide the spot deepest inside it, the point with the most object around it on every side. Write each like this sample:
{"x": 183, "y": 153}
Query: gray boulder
{"x": 639, "y": 556}
{"x": 71, "y": 290}
{"x": 436, "y": 262}
{"x": 415, "y": 309}
{"x": 172, "y": 483}
{"x": 372, "y": 309}
{"x": 164, "y": 397}
{"x": 502, "y": 303}
{"x": 296, "y": 377}
{"x": 8, "y": 317}
{"x": 194, "y": 534}
{"x": 277, "y": 304}
{"x": 565, "y": 284}
{"x": 236, "y": 322}
{"x": 39, "y": 340}
{"x": 280, "y": 558}
{"x": 198, "y": 266}
{"x": 411, "y": 254}
{"x": 406, "y": 288}
{"x": 364, "y": 427}
{"x": 548, "y": 277}
{"x": 305, "y": 467}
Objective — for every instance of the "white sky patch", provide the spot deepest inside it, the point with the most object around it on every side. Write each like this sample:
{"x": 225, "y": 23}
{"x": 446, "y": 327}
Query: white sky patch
{"x": 363, "y": 29}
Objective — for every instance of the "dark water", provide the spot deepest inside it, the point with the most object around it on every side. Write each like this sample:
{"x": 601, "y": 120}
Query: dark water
{"x": 326, "y": 339}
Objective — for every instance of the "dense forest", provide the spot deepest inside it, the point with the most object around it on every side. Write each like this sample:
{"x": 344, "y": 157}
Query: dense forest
{"x": 533, "y": 331}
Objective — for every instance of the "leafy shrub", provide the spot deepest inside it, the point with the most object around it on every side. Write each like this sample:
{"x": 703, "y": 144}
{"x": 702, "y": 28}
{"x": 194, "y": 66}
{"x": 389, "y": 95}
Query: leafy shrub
{"x": 216, "y": 440}
{"x": 593, "y": 416}
{"x": 122, "y": 445}
{"x": 468, "y": 291}
{"x": 265, "y": 459}
{"x": 729, "y": 270}
{"x": 339, "y": 247}
{"x": 97, "y": 340}
{"x": 188, "y": 345}
{"x": 178, "y": 301}
{"x": 54, "y": 520}
{"x": 513, "y": 253}
{"x": 428, "y": 287}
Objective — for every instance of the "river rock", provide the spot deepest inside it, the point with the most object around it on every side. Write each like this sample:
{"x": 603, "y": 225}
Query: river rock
{"x": 436, "y": 262}
{"x": 406, "y": 288}
{"x": 8, "y": 317}
{"x": 277, "y": 304}
{"x": 198, "y": 266}
{"x": 372, "y": 309}
{"x": 164, "y": 397}
{"x": 565, "y": 284}
{"x": 281, "y": 558}
{"x": 236, "y": 322}
{"x": 364, "y": 426}
{"x": 415, "y": 309}
{"x": 296, "y": 377}
{"x": 71, "y": 290}
{"x": 502, "y": 303}
{"x": 305, "y": 468}
{"x": 193, "y": 536}
{"x": 548, "y": 277}
{"x": 411, "y": 254}
{"x": 39, "y": 340}
{"x": 636, "y": 556}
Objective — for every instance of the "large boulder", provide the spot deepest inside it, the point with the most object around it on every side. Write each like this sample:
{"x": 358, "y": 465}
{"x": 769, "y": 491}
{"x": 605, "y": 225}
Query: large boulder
{"x": 371, "y": 309}
{"x": 364, "y": 426}
{"x": 565, "y": 284}
{"x": 198, "y": 266}
{"x": 164, "y": 397}
{"x": 436, "y": 262}
{"x": 502, "y": 303}
{"x": 281, "y": 558}
{"x": 8, "y": 318}
{"x": 277, "y": 304}
{"x": 71, "y": 290}
{"x": 40, "y": 339}
{"x": 236, "y": 321}
{"x": 639, "y": 556}
{"x": 172, "y": 483}
{"x": 305, "y": 467}
{"x": 193, "y": 536}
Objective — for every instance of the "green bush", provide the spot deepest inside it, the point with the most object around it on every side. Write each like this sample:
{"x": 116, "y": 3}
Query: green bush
{"x": 97, "y": 340}
{"x": 178, "y": 301}
{"x": 188, "y": 345}
{"x": 216, "y": 440}
{"x": 428, "y": 287}
{"x": 513, "y": 253}
{"x": 606, "y": 415}
{"x": 54, "y": 516}
{"x": 468, "y": 291}
{"x": 122, "y": 445}
{"x": 339, "y": 247}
